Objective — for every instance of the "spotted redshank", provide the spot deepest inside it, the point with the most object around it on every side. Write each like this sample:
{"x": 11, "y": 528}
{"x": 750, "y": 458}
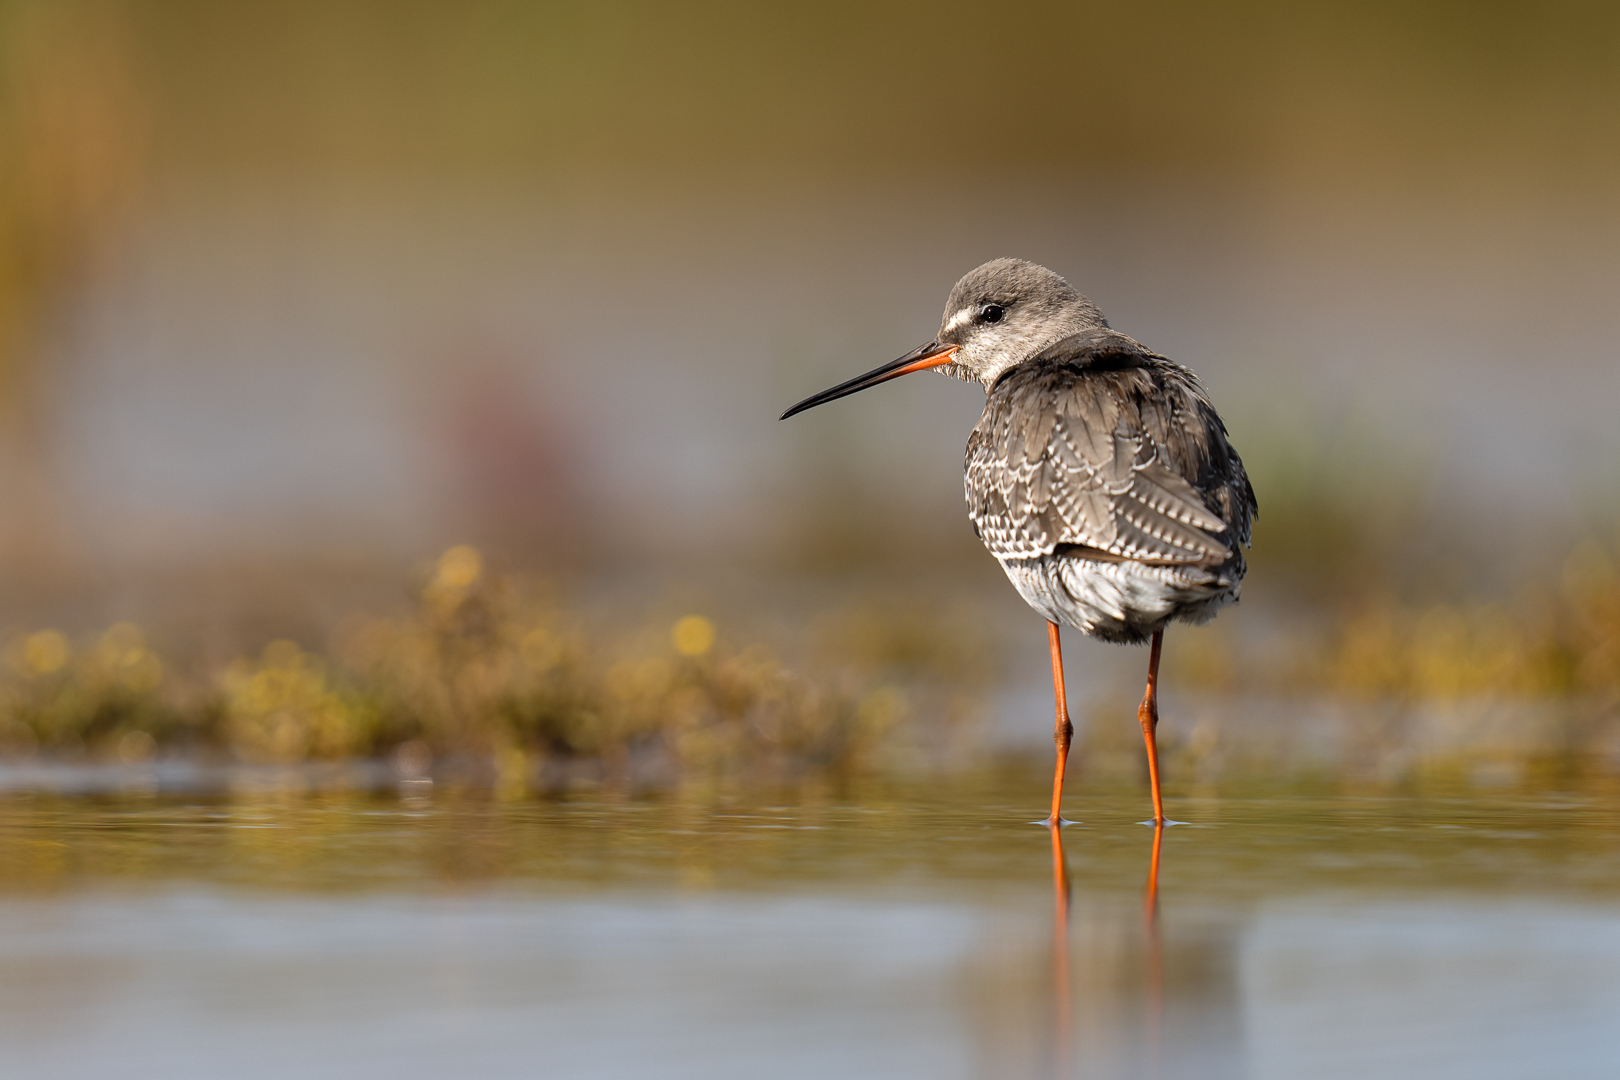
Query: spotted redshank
{"x": 1099, "y": 476}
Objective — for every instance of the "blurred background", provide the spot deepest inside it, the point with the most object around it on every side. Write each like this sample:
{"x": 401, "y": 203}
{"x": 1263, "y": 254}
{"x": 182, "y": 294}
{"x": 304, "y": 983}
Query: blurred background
{"x": 335, "y": 334}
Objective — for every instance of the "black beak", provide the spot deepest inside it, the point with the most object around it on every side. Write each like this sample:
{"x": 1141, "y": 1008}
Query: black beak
{"x": 930, "y": 355}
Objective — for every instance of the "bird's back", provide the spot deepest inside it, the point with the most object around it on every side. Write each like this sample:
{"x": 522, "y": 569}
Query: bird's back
{"x": 1101, "y": 477}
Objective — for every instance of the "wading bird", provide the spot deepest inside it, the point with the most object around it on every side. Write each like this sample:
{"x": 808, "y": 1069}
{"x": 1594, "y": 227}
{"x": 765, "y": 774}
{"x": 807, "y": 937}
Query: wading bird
{"x": 1099, "y": 476}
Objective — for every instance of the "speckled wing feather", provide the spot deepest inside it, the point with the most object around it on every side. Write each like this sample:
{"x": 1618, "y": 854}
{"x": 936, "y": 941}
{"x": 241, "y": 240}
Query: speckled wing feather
{"x": 1099, "y": 444}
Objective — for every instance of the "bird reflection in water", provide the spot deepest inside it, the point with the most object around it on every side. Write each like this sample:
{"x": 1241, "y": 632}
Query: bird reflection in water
{"x": 1062, "y": 983}
{"x": 1062, "y": 986}
{"x": 1155, "y": 955}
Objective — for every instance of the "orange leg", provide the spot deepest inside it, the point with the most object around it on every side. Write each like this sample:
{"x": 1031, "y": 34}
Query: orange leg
{"x": 1148, "y": 714}
{"x": 1063, "y": 731}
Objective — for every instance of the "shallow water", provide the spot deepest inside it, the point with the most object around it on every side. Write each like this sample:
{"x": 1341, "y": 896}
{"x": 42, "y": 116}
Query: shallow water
{"x": 257, "y": 928}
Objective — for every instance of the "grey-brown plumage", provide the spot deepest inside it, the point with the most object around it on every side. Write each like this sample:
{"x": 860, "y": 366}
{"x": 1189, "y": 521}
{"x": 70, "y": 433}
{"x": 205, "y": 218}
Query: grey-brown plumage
{"x": 1099, "y": 476}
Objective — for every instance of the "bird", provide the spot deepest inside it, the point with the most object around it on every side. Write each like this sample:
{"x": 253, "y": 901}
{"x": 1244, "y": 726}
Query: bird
{"x": 1099, "y": 476}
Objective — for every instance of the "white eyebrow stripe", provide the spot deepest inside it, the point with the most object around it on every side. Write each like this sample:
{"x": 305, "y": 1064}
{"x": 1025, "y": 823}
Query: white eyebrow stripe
{"x": 963, "y": 316}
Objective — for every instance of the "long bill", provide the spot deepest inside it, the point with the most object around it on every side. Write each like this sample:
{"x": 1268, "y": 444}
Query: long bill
{"x": 930, "y": 355}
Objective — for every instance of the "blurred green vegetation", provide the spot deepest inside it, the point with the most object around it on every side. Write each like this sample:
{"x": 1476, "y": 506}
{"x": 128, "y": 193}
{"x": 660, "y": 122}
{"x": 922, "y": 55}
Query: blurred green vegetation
{"x": 488, "y": 675}
{"x": 1556, "y": 639}
{"x": 551, "y": 89}
{"x": 1362, "y": 623}
{"x": 1338, "y": 91}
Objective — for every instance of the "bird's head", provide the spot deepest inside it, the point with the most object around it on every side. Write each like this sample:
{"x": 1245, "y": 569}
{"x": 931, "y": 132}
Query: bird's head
{"x": 998, "y": 315}
{"x": 1005, "y": 312}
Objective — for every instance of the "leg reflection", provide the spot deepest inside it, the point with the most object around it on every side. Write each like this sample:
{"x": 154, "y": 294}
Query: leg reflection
{"x": 1155, "y": 955}
{"x": 1062, "y": 1004}
{"x": 1112, "y": 991}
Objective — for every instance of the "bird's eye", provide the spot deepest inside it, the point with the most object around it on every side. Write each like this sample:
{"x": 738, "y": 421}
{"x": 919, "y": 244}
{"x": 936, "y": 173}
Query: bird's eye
{"x": 992, "y": 313}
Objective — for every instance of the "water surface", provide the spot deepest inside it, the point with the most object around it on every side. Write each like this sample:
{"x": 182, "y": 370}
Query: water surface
{"x": 265, "y": 928}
